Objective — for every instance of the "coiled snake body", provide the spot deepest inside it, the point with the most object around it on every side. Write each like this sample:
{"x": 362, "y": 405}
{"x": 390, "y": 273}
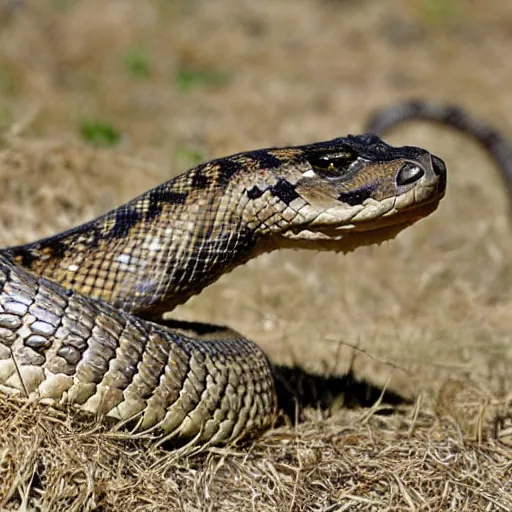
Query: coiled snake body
{"x": 80, "y": 312}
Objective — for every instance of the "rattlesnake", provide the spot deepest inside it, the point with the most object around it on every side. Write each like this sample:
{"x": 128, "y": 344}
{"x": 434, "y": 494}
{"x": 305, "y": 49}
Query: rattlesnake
{"x": 80, "y": 312}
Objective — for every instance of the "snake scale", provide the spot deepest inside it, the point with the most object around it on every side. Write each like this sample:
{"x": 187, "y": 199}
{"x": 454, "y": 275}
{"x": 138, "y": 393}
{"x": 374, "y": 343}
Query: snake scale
{"x": 81, "y": 312}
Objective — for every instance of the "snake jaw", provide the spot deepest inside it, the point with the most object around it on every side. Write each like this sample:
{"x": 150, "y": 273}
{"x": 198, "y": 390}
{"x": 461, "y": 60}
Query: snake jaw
{"x": 373, "y": 221}
{"x": 349, "y": 236}
{"x": 362, "y": 201}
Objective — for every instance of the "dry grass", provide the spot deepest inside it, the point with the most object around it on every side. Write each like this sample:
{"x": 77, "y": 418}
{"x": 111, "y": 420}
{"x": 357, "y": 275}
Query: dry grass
{"x": 428, "y": 315}
{"x": 410, "y": 460}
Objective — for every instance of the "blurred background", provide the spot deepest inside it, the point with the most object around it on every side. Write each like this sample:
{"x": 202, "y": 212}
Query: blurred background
{"x": 101, "y": 100}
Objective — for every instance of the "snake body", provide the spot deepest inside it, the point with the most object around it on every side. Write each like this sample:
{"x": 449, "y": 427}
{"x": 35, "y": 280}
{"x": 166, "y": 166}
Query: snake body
{"x": 454, "y": 116}
{"x": 80, "y": 312}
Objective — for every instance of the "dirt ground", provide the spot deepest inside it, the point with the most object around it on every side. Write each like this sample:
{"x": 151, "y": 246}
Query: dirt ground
{"x": 100, "y": 100}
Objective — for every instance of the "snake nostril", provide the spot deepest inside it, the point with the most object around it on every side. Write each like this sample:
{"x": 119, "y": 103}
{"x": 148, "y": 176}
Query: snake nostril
{"x": 438, "y": 166}
{"x": 409, "y": 173}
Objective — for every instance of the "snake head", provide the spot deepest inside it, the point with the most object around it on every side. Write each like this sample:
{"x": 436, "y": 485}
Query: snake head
{"x": 349, "y": 191}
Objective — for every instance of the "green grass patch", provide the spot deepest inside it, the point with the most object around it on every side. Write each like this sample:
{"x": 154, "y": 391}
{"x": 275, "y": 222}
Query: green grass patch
{"x": 6, "y": 119}
{"x": 441, "y": 11}
{"x": 63, "y": 5}
{"x": 9, "y": 83}
{"x": 190, "y": 78}
{"x": 101, "y": 133}
{"x": 136, "y": 61}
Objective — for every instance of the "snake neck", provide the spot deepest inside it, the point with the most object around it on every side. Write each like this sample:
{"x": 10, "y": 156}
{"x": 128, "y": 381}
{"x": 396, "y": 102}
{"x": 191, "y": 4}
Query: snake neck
{"x": 146, "y": 261}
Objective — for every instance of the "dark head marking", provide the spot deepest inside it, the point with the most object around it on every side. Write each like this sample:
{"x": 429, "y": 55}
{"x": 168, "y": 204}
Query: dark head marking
{"x": 367, "y": 146}
{"x": 357, "y": 196}
{"x": 255, "y": 192}
{"x": 285, "y": 191}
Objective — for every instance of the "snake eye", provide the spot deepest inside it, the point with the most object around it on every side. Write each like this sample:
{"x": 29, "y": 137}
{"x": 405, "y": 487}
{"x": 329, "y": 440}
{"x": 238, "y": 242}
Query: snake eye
{"x": 332, "y": 166}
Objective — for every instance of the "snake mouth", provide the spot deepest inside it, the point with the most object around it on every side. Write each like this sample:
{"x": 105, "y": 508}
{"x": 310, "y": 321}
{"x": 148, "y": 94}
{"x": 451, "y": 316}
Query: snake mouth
{"x": 407, "y": 216}
{"x": 349, "y": 235}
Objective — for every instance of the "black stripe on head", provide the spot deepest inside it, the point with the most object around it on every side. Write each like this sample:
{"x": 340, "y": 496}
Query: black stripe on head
{"x": 285, "y": 191}
{"x": 264, "y": 159}
{"x": 125, "y": 219}
{"x": 356, "y": 197}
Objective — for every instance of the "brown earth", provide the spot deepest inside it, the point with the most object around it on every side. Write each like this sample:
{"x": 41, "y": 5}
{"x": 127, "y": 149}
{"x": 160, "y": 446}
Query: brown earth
{"x": 427, "y": 315}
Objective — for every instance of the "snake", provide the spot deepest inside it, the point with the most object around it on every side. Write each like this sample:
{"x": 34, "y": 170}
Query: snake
{"x": 454, "y": 116}
{"x": 81, "y": 312}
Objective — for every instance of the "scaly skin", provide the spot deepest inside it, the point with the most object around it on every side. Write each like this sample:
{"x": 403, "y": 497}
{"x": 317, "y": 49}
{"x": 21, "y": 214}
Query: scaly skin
{"x": 62, "y": 347}
{"x": 75, "y": 339}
